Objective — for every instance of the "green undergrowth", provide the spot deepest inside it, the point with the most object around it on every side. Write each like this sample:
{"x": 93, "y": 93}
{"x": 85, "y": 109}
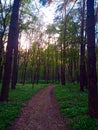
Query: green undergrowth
{"x": 17, "y": 99}
{"x": 73, "y": 106}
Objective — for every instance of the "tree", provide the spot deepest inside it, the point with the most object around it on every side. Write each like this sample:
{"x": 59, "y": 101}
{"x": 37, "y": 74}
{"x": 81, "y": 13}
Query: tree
{"x": 82, "y": 51}
{"x": 62, "y": 7}
{"x": 25, "y": 63}
{"x": 12, "y": 43}
{"x": 92, "y": 76}
{"x": 63, "y": 53}
{"x": 14, "y": 68}
{"x": 5, "y": 11}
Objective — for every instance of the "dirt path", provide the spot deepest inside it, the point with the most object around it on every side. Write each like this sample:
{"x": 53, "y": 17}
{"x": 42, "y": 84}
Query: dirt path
{"x": 41, "y": 113}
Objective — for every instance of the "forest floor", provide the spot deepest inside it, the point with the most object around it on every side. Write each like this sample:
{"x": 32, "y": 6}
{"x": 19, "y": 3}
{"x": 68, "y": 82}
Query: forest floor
{"x": 40, "y": 113}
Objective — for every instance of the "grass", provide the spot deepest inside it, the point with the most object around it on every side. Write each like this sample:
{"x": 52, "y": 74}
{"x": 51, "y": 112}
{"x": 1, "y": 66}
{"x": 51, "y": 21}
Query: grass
{"x": 73, "y": 106}
{"x": 17, "y": 99}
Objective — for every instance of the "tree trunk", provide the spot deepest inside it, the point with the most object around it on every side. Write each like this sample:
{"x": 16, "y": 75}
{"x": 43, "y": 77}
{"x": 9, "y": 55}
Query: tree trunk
{"x": 63, "y": 52}
{"x": 3, "y": 26}
{"x": 82, "y": 51}
{"x": 62, "y": 68}
{"x": 15, "y": 69}
{"x": 92, "y": 77}
{"x": 12, "y": 42}
{"x": 25, "y": 67}
{"x": 70, "y": 79}
{"x": 38, "y": 65}
{"x": 1, "y": 56}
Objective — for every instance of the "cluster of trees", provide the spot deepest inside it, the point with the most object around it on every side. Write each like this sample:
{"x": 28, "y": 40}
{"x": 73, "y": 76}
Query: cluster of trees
{"x": 63, "y": 52}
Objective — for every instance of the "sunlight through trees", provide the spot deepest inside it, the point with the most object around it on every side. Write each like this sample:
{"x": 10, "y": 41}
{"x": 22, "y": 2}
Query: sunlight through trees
{"x": 62, "y": 50}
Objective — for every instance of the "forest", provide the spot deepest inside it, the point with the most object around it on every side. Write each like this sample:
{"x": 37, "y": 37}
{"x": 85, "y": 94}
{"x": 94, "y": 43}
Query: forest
{"x": 49, "y": 49}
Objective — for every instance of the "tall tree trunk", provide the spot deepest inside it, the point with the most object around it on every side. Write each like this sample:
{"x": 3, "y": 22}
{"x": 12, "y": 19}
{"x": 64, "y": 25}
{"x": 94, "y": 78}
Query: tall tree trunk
{"x": 92, "y": 77}
{"x": 33, "y": 76}
{"x": 57, "y": 75}
{"x": 1, "y": 57}
{"x": 63, "y": 69}
{"x": 12, "y": 42}
{"x": 63, "y": 52}
{"x": 48, "y": 64}
{"x": 25, "y": 67}
{"x": 70, "y": 71}
{"x": 38, "y": 71}
{"x": 38, "y": 65}
{"x": 2, "y": 34}
{"x": 15, "y": 69}
{"x": 62, "y": 80}
{"x": 82, "y": 51}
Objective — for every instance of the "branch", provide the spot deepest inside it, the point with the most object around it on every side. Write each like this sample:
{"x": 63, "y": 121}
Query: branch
{"x": 71, "y": 8}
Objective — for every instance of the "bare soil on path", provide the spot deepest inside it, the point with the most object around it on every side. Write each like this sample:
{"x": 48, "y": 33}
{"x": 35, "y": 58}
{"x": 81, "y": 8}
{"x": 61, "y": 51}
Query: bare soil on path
{"x": 40, "y": 113}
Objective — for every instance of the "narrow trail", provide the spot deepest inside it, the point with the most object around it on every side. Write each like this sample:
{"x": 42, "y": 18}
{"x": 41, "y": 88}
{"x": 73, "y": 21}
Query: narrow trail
{"x": 40, "y": 113}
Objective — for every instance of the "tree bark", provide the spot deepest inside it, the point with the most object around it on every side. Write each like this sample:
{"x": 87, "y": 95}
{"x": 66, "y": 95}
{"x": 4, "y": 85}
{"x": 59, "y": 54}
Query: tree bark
{"x": 12, "y": 42}
{"x": 1, "y": 57}
{"x": 92, "y": 76}
{"x": 82, "y": 51}
{"x": 25, "y": 67}
{"x": 63, "y": 52}
{"x": 15, "y": 69}
{"x": 5, "y": 11}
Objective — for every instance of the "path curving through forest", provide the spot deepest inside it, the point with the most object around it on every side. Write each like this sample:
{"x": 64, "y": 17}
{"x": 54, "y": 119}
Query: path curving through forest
{"x": 40, "y": 113}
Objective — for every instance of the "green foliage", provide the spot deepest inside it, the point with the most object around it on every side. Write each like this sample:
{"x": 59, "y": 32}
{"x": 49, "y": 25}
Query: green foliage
{"x": 73, "y": 106}
{"x": 51, "y": 29}
{"x": 17, "y": 98}
{"x": 8, "y": 111}
{"x": 84, "y": 123}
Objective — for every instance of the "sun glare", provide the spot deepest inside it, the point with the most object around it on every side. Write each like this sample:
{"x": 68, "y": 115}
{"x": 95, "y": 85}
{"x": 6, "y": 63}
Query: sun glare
{"x": 48, "y": 13}
{"x": 24, "y": 42}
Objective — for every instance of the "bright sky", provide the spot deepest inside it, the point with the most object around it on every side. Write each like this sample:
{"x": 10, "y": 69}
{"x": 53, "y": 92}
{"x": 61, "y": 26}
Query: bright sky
{"x": 24, "y": 42}
{"x": 48, "y": 13}
{"x": 47, "y": 16}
